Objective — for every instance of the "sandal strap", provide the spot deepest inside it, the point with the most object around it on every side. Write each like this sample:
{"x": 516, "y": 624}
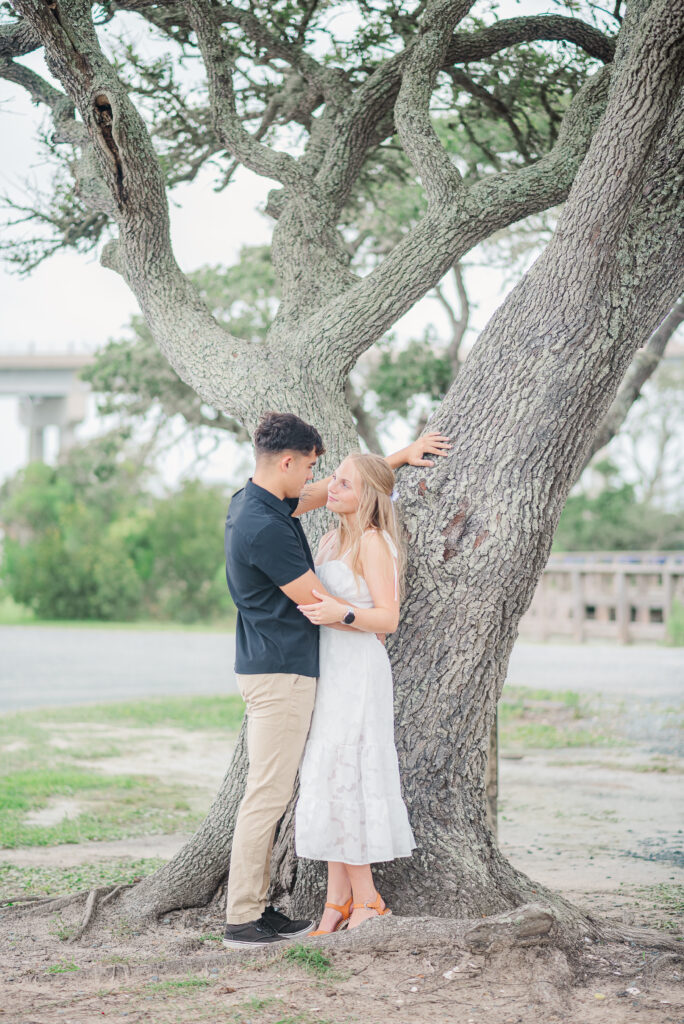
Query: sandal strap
{"x": 344, "y": 910}
{"x": 375, "y": 905}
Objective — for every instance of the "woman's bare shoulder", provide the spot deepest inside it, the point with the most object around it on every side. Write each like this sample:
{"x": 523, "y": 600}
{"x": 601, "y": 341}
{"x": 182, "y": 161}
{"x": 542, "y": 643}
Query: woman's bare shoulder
{"x": 374, "y": 546}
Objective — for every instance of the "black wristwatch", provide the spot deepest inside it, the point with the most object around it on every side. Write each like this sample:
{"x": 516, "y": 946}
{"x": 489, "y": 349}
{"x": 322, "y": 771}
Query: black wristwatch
{"x": 349, "y": 617}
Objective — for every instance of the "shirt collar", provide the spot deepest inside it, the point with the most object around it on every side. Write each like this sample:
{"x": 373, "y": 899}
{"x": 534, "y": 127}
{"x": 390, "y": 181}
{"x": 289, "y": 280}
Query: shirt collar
{"x": 285, "y": 506}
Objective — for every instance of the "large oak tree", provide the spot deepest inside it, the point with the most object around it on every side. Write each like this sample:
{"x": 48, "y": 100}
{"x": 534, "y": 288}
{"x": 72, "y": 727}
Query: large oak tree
{"x": 524, "y": 409}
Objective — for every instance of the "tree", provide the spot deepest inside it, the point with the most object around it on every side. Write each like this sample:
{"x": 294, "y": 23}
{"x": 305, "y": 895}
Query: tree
{"x": 524, "y": 407}
{"x": 132, "y": 375}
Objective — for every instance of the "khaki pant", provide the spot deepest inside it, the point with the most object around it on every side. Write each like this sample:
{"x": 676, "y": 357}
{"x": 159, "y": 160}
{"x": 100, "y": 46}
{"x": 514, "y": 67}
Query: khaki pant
{"x": 279, "y": 707}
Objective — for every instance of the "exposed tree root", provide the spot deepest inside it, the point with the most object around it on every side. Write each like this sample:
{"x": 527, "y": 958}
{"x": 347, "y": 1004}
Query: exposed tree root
{"x": 525, "y": 926}
{"x": 533, "y": 924}
{"x": 107, "y": 892}
{"x": 644, "y": 938}
{"x": 95, "y": 899}
{"x": 45, "y": 903}
{"x": 530, "y": 925}
{"x": 13, "y": 901}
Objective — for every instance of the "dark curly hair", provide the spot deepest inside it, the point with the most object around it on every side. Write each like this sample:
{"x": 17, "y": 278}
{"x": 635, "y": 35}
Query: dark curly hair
{"x": 282, "y": 432}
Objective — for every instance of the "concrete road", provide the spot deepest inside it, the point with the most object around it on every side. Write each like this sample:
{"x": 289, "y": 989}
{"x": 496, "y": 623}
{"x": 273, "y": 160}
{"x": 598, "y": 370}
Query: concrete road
{"x": 49, "y": 665}
{"x": 647, "y": 671}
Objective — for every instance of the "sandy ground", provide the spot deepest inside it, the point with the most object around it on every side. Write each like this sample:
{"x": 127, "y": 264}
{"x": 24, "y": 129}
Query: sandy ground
{"x": 601, "y": 825}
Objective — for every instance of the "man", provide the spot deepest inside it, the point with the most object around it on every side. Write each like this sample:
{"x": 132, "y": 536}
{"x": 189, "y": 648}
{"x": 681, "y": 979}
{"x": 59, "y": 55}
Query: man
{"x": 270, "y": 570}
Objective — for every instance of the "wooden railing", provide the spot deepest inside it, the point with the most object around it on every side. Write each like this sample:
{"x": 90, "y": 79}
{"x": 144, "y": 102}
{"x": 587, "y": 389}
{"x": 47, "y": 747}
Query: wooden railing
{"x": 620, "y": 595}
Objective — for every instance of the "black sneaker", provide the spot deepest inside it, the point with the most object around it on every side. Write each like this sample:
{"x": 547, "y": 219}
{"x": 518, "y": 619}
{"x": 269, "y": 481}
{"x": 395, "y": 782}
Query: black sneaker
{"x": 253, "y": 933}
{"x": 284, "y": 926}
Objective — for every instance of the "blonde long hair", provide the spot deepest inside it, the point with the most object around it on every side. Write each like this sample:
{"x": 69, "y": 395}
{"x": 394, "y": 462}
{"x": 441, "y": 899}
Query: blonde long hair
{"x": 375, "y": 511}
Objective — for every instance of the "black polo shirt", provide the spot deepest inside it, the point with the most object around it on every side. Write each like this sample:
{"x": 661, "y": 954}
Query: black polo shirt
{"x": 265, "y": 549}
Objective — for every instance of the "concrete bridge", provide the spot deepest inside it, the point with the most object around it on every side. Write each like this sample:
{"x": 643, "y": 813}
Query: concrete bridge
{"x": 50, "y": 394}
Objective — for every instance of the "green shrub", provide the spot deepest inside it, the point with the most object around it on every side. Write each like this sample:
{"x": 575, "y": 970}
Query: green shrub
{"x": 675, "y": 624}
{"x": 86, "y": 540}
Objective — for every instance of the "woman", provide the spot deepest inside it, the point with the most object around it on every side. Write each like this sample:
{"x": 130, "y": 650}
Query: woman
{"x": 350, "y": 810}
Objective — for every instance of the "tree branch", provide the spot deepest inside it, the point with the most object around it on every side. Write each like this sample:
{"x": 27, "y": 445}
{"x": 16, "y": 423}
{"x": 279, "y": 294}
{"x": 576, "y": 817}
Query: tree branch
{"x": 459, "y": 325}
{"x": 332, "y": 82}
{"x": 474, "y": 46}
{"x": 366, "y": 121}
{"x": 644, "y": 364}
{"x": 354, "y": 320}
{"x": 203, "y": 354}
{"x": 18, "y": 39}
{"x": 219, "y": 67}
{"x": 466, "y": 83}
{"x": 61, "y": 106}
{"x": 439, "y": 176}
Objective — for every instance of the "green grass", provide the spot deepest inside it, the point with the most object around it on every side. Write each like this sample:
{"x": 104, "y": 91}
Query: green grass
{"x": 243, "y": 1011}
{"x": 53, "y": 881}
{"x": 656, "y": 766}
{"x": 41, "y": 758}
{"x": 61, "y": 930}
{"x": 547, "y": 719}
{"x": 63, "y": 967}
{"x": 312, "y": 960}
{"x": 516, "y": 699}
{"x": 540, "y": 736}
{"x": 187, "y": 712}
{"x": 116, "y": 806}
{"x": 179, "y": 984}
{"x": 670, "y": 899}
{"x": 664, "y": 896}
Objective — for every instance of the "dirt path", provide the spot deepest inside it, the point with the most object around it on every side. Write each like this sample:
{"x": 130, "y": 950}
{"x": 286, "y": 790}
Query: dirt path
{"x": 178, "y": 972}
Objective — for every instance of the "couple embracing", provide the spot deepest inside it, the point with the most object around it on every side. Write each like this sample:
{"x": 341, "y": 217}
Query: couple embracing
{"x": 314, "y": 674}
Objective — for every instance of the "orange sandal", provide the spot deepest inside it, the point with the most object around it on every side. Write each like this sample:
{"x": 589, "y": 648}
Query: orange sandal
{"x": 375, "y": 905}
{"x": 344, "y": 910}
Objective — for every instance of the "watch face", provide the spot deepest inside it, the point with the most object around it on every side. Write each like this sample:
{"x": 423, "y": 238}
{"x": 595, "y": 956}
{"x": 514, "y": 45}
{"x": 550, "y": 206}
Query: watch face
{"x": 349, "y": 618}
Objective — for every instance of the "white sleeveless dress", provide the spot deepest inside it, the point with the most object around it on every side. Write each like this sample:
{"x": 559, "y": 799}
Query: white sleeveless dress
{"x": 350, "y": 807}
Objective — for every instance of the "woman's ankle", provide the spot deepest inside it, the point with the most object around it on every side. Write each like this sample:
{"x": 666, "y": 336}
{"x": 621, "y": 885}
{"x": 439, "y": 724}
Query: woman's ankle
{"x": 339, "y": 900}
{"x": 364, "y": 897}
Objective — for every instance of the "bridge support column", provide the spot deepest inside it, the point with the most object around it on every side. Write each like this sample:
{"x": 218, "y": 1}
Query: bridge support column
{"x": 36, "y": 452}
{"x": 40, "y": 411}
